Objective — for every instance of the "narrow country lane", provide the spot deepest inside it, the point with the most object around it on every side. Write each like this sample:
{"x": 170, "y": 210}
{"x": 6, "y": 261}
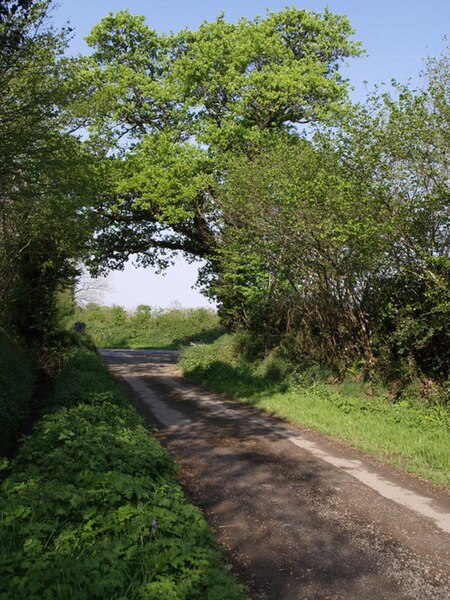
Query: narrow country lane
{"x": 298, "y": 515}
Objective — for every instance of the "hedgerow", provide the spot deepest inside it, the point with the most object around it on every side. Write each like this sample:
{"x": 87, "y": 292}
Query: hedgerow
{"x": 91, "y": 508}
{"x": 115, "y": 327}
{"x": 17, "y": 382}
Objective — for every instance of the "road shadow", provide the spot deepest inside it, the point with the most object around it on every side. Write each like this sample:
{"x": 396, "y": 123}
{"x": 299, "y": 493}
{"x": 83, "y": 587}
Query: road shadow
{"x": 275, "y": 508}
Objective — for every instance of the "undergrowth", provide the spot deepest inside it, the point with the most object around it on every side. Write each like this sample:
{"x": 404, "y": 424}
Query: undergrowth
{"x": 18, "y": 372}
{"x": 91, "y": 508}
{"x": 407, "y": 432}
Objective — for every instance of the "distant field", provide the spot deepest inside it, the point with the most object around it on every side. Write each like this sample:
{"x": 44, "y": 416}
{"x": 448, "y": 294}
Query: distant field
{"x": 148, "y": 327}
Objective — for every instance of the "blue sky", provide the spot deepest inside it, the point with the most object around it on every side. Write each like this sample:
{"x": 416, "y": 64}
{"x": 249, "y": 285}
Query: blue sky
{"x": 397, "y": 36}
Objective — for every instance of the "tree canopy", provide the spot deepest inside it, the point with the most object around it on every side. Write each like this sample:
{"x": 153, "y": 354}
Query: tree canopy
{"x": 339, "y": 247}
{"x": 173, "y": 107}
{"x": 323, "y": 225}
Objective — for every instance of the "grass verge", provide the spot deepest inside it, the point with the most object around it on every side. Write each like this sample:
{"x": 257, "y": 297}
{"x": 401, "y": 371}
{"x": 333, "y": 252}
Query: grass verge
{"x": 91, "y": 508}
{"x": 407, "y": 434}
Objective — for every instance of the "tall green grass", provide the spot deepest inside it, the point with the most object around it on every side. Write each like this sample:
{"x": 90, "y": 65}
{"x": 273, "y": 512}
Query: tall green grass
{"x": 407, "y": 433}
{"x": 147, "y": 327}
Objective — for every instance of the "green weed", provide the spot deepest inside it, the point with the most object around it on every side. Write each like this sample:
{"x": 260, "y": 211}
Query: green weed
{"x": 17, "y": 383}
{"x": 91, "y": 508}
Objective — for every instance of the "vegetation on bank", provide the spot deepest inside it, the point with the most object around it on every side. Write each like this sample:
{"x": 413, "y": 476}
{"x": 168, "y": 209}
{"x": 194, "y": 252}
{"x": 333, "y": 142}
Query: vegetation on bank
{"x": 147, "y": 327}
{"x": 91, "y": 508}
{"x": 18, "y": 372}
{"x": 410, "y": 430}
{"x": 48, "y": 178}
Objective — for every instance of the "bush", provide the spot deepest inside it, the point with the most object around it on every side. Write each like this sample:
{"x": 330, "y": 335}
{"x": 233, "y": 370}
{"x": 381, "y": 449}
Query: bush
{"x": 91, "y": 508}
{"x": 226, "y": 362}
{"x": 17, "y": 383}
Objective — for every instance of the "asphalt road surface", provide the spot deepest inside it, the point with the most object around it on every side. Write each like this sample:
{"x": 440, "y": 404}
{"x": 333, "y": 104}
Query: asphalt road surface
{"x": 299, "y": 516}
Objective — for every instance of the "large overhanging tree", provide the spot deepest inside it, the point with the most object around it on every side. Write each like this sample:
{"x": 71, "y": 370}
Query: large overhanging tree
{"x": 169, "y": 109}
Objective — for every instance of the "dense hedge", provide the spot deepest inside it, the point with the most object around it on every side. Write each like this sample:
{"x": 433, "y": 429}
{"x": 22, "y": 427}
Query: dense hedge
{"x": 17, "y": 381}
{"x": 91, "y": 508}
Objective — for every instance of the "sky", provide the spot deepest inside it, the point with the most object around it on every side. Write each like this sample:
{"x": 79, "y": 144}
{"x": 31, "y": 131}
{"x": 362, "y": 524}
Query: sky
{"x": 397, "y": 36}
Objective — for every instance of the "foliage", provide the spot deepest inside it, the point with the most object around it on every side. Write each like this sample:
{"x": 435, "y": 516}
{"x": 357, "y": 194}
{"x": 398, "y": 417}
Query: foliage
{"x": 46, "y": 173}
{"x": 337, "y": 250}
{"x": 235, "y": 352}
{"x": 171, "y": 106}
{"x": 408, "y": 431}
{"x": 400, "y": 156}
{"x": 114, "y": 327}
{"x": 17, "y": 385}
{"x": 91, "y": 508}
{"x": 13, "y": 16}
{"x": 333, "y": 245}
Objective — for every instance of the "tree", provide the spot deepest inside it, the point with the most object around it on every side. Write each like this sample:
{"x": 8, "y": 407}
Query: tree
{"x": 46, "y": 173}
{"x": 339, "y": 248}
{"x": 400, "y": 153}
{"x": 14, "y": 16}
{"x": 172, "y": 107}
{"x": 298, "y": 251}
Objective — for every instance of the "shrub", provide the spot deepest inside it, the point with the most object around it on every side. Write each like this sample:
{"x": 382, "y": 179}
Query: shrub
{"x": 227, "y": 362}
